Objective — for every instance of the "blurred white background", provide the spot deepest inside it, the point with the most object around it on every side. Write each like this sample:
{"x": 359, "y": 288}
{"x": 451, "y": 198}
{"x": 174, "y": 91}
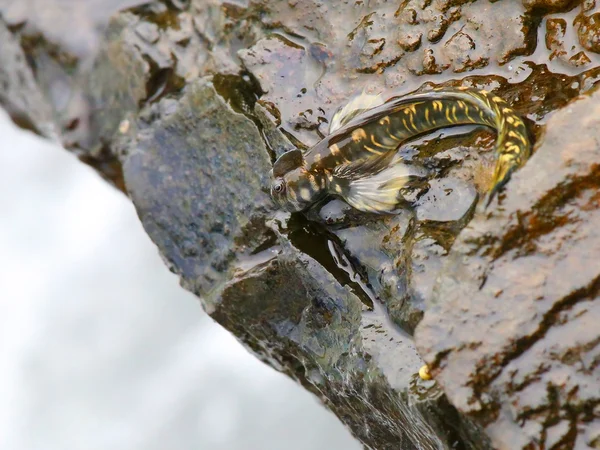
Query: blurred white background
{"x": 99, "y": 346}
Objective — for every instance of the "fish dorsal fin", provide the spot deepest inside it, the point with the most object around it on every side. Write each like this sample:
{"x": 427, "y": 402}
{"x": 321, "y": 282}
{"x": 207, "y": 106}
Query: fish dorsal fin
{"x": 287, "y": 162}
{"x": 373, "y": 184}
{"x": 359, "y": 104}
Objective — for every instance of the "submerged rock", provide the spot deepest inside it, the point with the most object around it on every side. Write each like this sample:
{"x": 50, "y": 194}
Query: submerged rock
{"x": 511, "y": 330}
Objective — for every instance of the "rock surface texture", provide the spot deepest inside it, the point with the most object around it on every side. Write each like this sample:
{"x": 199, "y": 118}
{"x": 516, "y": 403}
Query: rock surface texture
{"x": 184, "y": 105}
{"x": 524, "y": 356}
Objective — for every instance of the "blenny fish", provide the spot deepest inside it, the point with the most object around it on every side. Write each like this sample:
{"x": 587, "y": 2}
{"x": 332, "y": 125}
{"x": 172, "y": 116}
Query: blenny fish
{"x": 356, "y": 161}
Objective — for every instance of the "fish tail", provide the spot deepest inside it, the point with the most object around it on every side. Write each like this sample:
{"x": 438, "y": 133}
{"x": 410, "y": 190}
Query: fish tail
{"x": 504, "y": 169}
{"x": 513, "y": 147}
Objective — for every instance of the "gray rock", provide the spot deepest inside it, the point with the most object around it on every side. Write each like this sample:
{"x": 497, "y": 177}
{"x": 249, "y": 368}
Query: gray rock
{"x": 447, "y": 200}
{"x": 331, "y": 300}
{"x": 19, "y": 91}
{"x": 212, "y": 165}
{"x": 511, "y": 330}
{"x": 285, "y": 288}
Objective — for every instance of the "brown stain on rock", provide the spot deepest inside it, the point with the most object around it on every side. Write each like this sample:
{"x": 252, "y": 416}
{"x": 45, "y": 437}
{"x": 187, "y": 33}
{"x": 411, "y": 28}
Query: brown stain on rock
{"x": 525, "y": 276}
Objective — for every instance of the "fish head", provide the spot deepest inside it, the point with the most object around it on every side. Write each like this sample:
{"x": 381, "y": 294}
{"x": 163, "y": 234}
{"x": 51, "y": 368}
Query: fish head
{"x": 293, "y": 187}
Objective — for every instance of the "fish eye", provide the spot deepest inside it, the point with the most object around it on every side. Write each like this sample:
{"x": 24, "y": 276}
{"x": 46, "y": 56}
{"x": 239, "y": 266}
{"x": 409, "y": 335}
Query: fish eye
{"x": 279, "y": 186}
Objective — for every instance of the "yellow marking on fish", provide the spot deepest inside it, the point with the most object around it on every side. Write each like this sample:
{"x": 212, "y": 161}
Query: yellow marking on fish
{"x": 394, "y": 138}
{"x": 377, "y": 144}
{"x": 512, "y": 148}
{"x": 384, "y": 121}
{"x": 358, "y": 135}
{"x": 512, "y": 134}
{"x": 467, "y": 113}
{"x": 305, "y": 194}
{"x": 411, "y": 118}
{"x": 523, "y": 140}
{"x": 292, "y": 194}
{"x": 372, "y": 150}
{"x": 410, "y": 109}
{"x": 448, "y": 115}
{"x": 455, "y": 108}
{"x": 518, "y": 136}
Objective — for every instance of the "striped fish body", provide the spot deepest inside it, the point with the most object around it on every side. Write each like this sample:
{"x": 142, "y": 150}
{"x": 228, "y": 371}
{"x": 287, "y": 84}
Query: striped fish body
{"x": 350, "y": 162}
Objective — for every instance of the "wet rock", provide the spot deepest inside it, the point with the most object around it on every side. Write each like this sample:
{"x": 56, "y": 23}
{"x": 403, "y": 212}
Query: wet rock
{"x": 498, "y": 33}
{"x": 399, "y": 256}
{"x": 270, "y": 121}
{"x": 20, "y": 94}
{"x": 548, "y": 5}
{"x": 580, "y": 59}
{"x": 410, "y": 42}
{"x": 588, "y": 29}
{"x": 571, "y": 51}
{"x": 117, "y": 82}
{"x": 242, "y": 258}
{"x": 275, "y": 59}
{"x": 459, "y": 50}
{"x": 197, "y": 152}
{"x": 74, "y": 28}
{"x": 555, "y": 34}
{"x": 447, "y": 200}
{"x": 179, "y": 149}
{"x": 354, "y": 360}
{"x": 510, "y": 333}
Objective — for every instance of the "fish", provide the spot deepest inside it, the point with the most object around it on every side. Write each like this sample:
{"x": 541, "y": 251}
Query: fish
{"x": 357, "y": 160}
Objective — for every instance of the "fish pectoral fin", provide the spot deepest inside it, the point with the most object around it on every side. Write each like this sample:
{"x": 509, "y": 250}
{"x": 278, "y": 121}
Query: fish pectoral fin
{"x": 359, "y": 104}
{"x": 377, "y": 193}
{"x": 365, "y": 166}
